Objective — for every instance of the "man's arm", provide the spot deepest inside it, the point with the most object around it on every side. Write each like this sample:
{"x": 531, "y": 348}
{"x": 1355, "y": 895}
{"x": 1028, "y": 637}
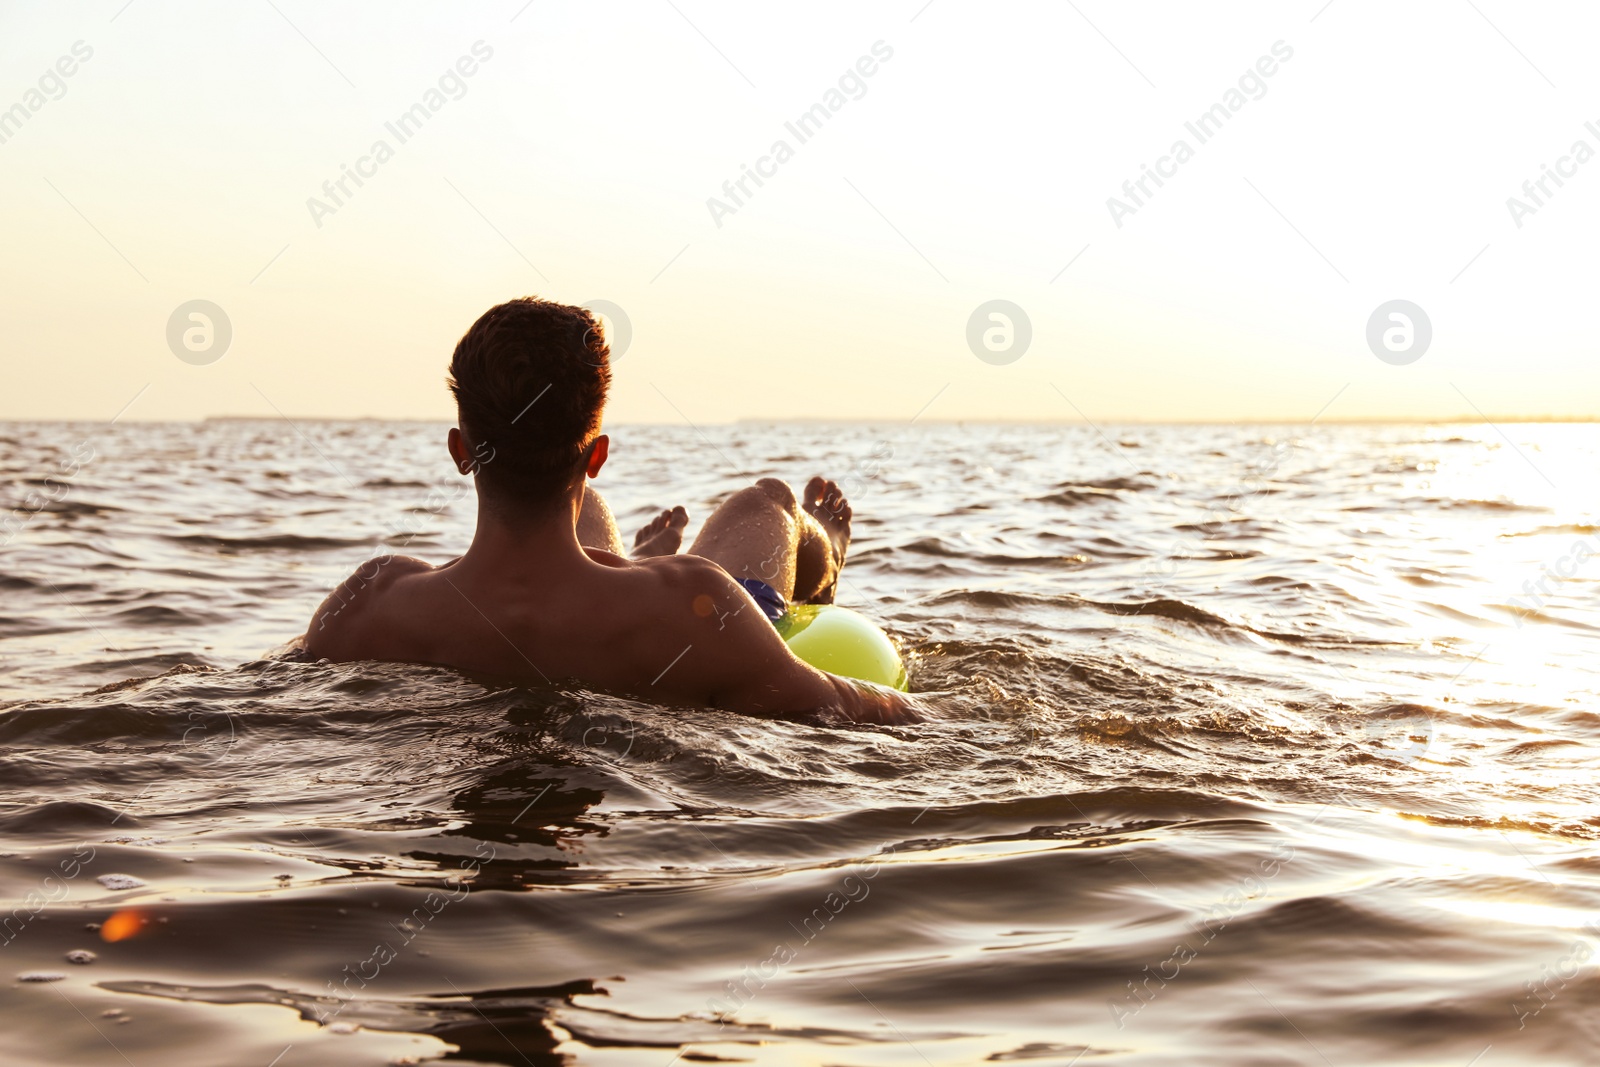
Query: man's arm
{"x": 865, "y": 702}
{"x": 739, "y": 662}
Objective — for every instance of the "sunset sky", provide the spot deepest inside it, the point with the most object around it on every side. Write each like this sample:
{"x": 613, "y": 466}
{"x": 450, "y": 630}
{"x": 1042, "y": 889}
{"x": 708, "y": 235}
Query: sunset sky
{"x": 180, "y": 159}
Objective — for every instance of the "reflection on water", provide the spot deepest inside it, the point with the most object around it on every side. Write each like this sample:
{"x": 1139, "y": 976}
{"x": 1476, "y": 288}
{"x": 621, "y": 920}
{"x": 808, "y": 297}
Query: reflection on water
{"x": 1259, "y": 746}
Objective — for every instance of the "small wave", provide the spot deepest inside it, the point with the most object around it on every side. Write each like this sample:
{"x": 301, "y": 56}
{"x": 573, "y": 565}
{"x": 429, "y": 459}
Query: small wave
{"x": 393, "y": 483}
{"x": 1425, "y": 578}
{"x": 1547, "y": 618}
{"x": 129, "y": 667}
{"x": 1449, "y": 504}
{"x": 994, "y": 598}
{"x": 1580, "y": 529}
{"x": 1054, "y": 816}
{"x": 1041, "y": 1050}
{"x": 1572, "y": 829}
{"x": 1339, "y": 919}
{"x": 1280, "y": 582}
{"x": 1177, "y": 610}
{"x": 1110, "y": 485}
{"x": 1161, "y": 607}
{"x": 160, "y": 615}
{"x": 932, "y": 546}
{"x": 11, "y": 626}
{"x": 270, "y": 542}
{"x": 1542, "y": 747}
{"x": 74, "y": 508}
{"x": 57, "y": 817}
{"x": 1080, "y": 494}
{"x": 1071, "y": 560}
{"x": 1452, "y": 504}
{"x": 1239, "y": 526}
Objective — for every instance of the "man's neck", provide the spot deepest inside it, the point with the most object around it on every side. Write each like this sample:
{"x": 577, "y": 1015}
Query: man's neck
{"x": 525, "y": 541}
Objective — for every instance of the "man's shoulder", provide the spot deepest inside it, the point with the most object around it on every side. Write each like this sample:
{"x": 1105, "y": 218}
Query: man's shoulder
{"x": 394, "y": 564}
{"x": 682, "y": 567}
{"x": 338, "y": 630}
{"x": 689, "y": 576}
{"x": 382, "y": 574}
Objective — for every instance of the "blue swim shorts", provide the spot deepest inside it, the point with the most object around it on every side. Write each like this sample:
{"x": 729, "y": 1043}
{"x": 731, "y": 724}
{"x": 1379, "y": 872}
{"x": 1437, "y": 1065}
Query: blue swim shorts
{"x": 771, "y": 602}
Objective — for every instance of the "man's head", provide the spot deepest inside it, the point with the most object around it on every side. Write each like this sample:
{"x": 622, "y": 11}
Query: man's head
{"x": 530, "y": 381}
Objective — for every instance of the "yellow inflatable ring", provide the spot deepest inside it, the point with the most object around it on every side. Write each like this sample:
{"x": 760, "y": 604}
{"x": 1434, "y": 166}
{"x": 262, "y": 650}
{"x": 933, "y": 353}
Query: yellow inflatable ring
{"x": 842, "y": 642}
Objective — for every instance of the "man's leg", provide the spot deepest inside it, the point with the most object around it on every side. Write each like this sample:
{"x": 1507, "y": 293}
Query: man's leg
{"x": 765, "y": 532}
{"x": 597, "y": 528}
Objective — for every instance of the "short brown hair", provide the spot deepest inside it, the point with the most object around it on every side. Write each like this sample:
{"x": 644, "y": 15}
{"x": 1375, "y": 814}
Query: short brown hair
{"x": 530, "y": 380}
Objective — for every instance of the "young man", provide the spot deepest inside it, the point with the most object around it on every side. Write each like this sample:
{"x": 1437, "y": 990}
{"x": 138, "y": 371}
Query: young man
{"x": 544, "y": 593}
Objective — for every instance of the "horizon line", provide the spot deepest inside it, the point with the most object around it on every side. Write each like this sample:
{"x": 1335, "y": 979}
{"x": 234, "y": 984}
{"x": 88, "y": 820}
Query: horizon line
{"x": 1377, "y": 420}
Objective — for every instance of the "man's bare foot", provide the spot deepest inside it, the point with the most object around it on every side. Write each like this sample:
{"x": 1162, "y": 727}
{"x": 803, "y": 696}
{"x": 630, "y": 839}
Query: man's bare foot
{"x": 662, "y": 535}
{"x": 825, "y": 502}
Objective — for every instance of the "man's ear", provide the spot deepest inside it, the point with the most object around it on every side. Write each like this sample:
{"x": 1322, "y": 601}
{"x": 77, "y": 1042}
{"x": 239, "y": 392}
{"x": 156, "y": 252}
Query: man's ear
{"x": 597, "y": 455}
{"x": 459, "y": 452}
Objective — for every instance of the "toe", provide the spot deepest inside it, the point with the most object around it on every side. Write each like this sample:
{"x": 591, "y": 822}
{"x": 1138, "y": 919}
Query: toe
{"x": 814, "y": 489}
{"x": 834, "y": 499}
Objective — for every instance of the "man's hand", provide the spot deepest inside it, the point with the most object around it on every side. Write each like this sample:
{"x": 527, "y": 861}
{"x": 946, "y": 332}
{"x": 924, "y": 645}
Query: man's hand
{"x": 864, "y": 702}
